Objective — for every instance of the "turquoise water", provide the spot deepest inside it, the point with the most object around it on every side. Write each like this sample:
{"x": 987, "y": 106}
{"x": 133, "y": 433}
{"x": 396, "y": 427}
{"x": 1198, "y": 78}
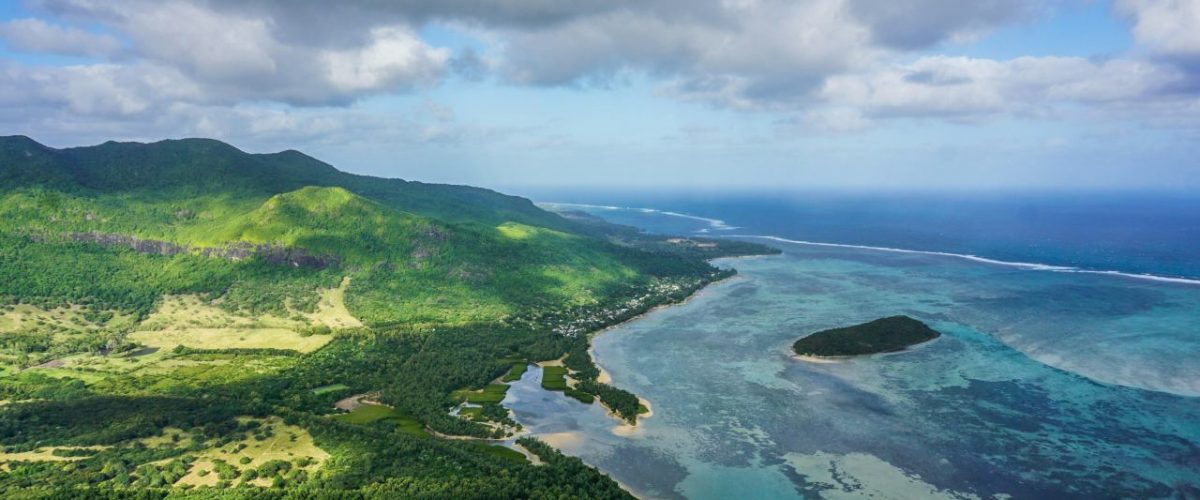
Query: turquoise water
{"x": 1045, "y": 385}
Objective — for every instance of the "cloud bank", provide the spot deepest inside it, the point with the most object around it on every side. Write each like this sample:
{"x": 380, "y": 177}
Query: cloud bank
{"x": 836, "y": 65}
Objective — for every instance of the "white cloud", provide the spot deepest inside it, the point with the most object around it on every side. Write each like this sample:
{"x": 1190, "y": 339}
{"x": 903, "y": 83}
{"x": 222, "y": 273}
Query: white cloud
{"x": 235, "y": 57}
{"x": 962, "y": 86}
{"x": 741, "y": 54}
{"x": 393, "y": 58}
{"x": 832, "y": 65}
{"x": 915, "y": 24}
{"x": 109, "y": 90}
{"x": 37, "y": 36}
{"x": 1168, "y": 27}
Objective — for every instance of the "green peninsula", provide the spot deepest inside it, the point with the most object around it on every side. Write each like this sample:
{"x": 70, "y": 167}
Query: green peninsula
{"x": 882, "y": 335}
{"x": 185, "y": 319}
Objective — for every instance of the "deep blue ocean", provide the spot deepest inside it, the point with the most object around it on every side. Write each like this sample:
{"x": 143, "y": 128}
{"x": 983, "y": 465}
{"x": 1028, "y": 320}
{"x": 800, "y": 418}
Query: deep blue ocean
{"x": 1144, "y": 232}
{"x": 1063, "y": 371}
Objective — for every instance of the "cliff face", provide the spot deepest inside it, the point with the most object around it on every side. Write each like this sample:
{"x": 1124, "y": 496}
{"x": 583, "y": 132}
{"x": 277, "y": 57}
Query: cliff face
{"x": 280, "y": 255}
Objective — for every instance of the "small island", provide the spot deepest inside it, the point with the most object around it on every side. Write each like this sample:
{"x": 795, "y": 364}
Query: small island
{"x": 882, "y": 335}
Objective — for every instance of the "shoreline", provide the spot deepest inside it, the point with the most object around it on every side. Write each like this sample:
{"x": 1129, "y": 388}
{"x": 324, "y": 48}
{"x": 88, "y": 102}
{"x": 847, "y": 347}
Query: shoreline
{"x": 624, "y": 428}
{"x": 689, "y": 298}
{"x": 827, "y": 360}
{"x": 819, "y": 360}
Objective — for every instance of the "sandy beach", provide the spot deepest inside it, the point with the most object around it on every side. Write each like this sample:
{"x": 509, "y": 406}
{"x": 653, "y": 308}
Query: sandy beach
{"x": 553, "y": 362}
{"x": 562, "y": 440}
{"x": 625, "y": 429}
{"x": 816, "y": 359}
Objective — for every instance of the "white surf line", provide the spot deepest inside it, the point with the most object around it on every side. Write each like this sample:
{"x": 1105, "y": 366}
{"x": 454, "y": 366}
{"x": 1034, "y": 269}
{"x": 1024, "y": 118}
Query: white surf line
{"x": 579, "y": 205}
{"x": 1151, "y": 277}
{"x": 717, "y": 224}
{"x": 720, "y": 225}
{"x": 984, "y": 260}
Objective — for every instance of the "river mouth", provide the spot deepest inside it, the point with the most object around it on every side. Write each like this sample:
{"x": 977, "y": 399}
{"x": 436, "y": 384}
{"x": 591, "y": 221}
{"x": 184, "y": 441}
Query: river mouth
{"x": 1001, "y": 405}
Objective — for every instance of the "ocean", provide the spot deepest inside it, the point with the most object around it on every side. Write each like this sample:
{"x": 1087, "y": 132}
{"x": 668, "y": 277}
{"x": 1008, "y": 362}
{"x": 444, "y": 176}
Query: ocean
{"x": 1155, "y": 233}
{"x": 1067, "y": 369}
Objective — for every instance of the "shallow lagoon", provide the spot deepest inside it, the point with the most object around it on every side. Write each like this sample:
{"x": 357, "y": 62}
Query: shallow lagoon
{"x": 1039, "y": 387}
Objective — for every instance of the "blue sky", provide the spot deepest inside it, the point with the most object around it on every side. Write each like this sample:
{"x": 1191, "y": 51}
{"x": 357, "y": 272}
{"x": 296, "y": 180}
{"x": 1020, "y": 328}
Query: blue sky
{"x": 663, "y": 94}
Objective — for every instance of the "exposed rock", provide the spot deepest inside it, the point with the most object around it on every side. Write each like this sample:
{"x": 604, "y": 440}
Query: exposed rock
{"x": 275, "y": 254}
{"x": 435, "y": 234}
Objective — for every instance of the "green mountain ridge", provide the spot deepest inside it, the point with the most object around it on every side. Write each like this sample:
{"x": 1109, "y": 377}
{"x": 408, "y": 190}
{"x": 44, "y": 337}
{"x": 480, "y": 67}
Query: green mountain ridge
{"x": 204, "y": 167}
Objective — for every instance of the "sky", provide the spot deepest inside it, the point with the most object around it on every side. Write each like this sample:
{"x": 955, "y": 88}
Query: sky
{"x": 645, "y": 94}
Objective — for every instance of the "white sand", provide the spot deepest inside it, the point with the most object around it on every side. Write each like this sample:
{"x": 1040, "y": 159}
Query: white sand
{"x": 816, "y": 359}
{"x": 553, "y": 362}
{"x": 562, "y": 439}
{"x": 629, "y": 431}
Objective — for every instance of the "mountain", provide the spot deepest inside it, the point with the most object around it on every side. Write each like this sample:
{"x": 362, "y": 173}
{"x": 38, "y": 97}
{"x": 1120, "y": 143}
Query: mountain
{"x": 181, "y": 317}
{"x": 385, "y": 233}
{"x": 199, "y": 167}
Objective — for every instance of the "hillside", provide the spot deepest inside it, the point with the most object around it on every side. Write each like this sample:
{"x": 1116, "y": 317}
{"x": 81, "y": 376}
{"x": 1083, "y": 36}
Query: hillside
{"x": 189, "y": 168}
{"x": 241, "y": 295}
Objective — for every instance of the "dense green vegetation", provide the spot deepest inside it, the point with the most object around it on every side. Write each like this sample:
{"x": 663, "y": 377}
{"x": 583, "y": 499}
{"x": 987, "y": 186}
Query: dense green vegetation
{"x": 491, "y": 394}
{"x": 624, "y": 403}
{"x": 882, "y": 335}
{"x": 583, "y": 397}
{"x": 554, "y": 378}
{"x": 518, "y": 370}
{"x": 448, "y": 289}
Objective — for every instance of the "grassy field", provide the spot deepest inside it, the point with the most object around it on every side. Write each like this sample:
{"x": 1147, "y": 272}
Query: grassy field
{"x": 170, "y": 436}
{"x": 366, "y": 414}
{"x": 47, "y": 454}
{"x": 230, "y": 338}
{"x": 31, "y": 335}
{"x": 271, "y": 442}
{"x": 580, "y": 396}
{"x": 186, "y": 320}
{"x": 471, "y": 412}
{"x": 156, "y": 371}
{"x": 115, "y": 364}
{"x": 86, "y": 377}
{"x": 514, "y": 231}
{"x": 516, "y": 372}
{"x": 369, "y": 413}
{"x": 554, "y": 378}
{"x": 331, "y": 308}
{"x": 283, "y": 442}
{"x": 328, "y": 389}
{"x": 192, "y": 310}
{"x": 72, "y": 319}
{"x": 491, "y": 394}
{"x": 503, "y": 453}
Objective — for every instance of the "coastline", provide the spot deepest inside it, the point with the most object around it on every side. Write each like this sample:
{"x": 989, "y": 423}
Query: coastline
{"x": 820, "y": 360}
{"x": 689, "y": 298}
{"x": 624, "y": 428}
{"x": 827, "y": 360}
